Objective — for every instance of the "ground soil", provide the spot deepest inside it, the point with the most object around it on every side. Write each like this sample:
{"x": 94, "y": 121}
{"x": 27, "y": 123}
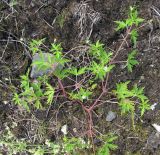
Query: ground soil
{"x": 35, "y": 19}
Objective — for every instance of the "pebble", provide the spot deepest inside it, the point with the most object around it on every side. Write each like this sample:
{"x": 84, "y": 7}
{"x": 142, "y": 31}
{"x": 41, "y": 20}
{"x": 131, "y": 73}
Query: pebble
{"x": 64, "y": 129}
{"x": 153, "y": 106}
{"x": 110, "y": 116}
{"x": 36, "y": 71}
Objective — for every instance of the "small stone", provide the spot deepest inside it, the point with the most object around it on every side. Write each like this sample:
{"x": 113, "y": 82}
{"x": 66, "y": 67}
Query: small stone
{"x": 157, "y": 127}
{"x": 64, "y": 129}
{"x": 36, "y": 71}
{"x": 110, "y": 116}
{"x": 153, "y": 106}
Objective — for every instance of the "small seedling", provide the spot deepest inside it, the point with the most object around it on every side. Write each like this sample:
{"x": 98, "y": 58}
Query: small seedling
{"x": 108, "y": 145}
{"x": 131, "y": 61}
{"x": 35, "y": 46}
{"x": 131, "y": 23}
{"x": 128, "y": 98}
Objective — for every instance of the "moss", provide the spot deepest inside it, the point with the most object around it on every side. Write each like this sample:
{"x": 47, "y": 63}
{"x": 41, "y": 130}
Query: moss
{"x": 62, "y": 17}
{"x": 141, "y": 132}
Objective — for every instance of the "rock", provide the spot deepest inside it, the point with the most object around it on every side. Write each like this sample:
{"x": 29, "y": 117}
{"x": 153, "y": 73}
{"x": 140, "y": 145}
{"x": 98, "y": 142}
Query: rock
{"x": 64, "y": 129}
{"x": 110, "y": 116}
{"x": 153, "y": 106}
{"x": 157, "y": 127}
{"x": 36, "y": 71}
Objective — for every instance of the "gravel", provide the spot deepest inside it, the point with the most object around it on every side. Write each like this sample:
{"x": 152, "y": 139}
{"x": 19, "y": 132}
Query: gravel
{"x": 110, "y": 116}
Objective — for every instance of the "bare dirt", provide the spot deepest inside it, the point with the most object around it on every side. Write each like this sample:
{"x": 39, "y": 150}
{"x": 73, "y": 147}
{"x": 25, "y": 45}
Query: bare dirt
{"x": 32, "y": 19}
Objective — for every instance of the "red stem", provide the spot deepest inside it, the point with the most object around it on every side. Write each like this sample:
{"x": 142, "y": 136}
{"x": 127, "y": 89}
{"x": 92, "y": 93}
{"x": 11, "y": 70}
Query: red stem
{"x": 61, "y": 86}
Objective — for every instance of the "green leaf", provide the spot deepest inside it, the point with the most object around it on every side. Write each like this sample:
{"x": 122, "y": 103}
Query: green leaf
{"x": 131, "y": 61}
{"x": 105, "y": 57}
{"x": 129, "y": 22}
{"x": 122, "y": 91}
{"x": 111, "y": 138}
{"x": 25, "y": 82}
{"x": 126, "y": 106}
{"x": 20, "y": 102}
{"x": 108, "y": 145}
{"x": 42, "y": 64}
{"x": 120, "y": 25}
{"x": 138, "y": 21}
{"x": 104, "y": 150}
{"x": 93, "y": 86}
{"x": 134, "y": 36}
{"x": 98, "y": 52}
{"x": 133, "y": 19}
{"x": 81, "y": 95}
{"x": 34, "y": 45}
{"x": 16, "y": 99}
{"x": 77, "y": 72}
{"x": 112, "y": 146}
{"x": 37, "y": 89}
{"x": 38, "y": 104}
{"x": 100, "y": 70}
{"x": 96, "y": 49}
{"x": 144, "y": 106}
{"x": 81, "y": 70}
{"x": 61, "y": 74}
{"x": 139, "y": 93}
{"x": 108, "y": 68}
{"x": 133, "y": 15}
{"x": 57, "y": 49}
{"x": 72, "y": 144}
{"x": 49, "y": 93}
{"x": 40, "y": 151}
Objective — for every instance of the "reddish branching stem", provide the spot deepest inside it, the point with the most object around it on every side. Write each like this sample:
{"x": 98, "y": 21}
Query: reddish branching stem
{"x": 62, "y": 87}
{"x": 89, "y": 110}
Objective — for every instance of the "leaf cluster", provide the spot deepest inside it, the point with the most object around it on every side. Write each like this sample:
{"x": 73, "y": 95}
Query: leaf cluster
{"x": 108, "y": 145}
{"x": 32, "y": 93}
{"x": 53, "y": 60}
{"x": 131, "y": 61}
{"x": 81, "y": 95}
{"x": 100, "y": 66}
{"x": 132, "y": 21}
{"x": 35, "y": 45}
{"x": 128, "y": 97}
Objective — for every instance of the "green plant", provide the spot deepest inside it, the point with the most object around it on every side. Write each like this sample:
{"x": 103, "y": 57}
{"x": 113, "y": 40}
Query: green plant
{"x": 76, "y": 71}
{"x": 131, "y": 23}
{"x": 82, "y": 81}
{"x": 35, "y": 45}
{"x": 131, "y": 61}
{"x": 11, "y": 145}
{"x": 49, "y": 93}
{"x": 72, "y": 145}
{"x": 128, "y": 98}
{"x": 54, "y": 60}
{"x": 100, "y": 66}
{"x": 32, "y": 94}
{"x": 81, "y": 95}
{"x": 108, "y": 145}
